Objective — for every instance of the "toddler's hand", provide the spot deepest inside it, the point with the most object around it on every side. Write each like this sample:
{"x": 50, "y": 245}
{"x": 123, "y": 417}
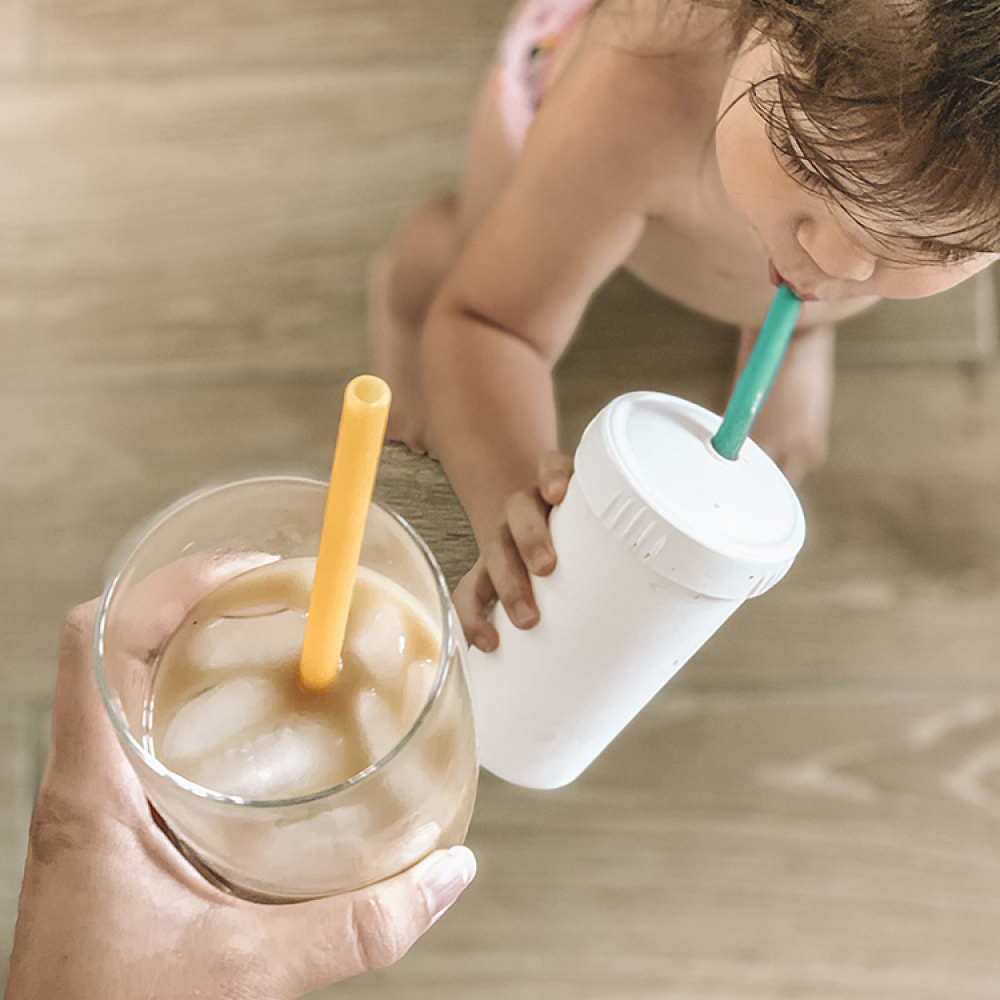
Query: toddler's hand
{"x": 519, "y": 548}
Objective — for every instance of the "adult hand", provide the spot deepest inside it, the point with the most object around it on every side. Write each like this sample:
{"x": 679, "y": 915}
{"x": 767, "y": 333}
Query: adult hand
{"x": 519, "y": 548}
{"x": 110, "y": 909}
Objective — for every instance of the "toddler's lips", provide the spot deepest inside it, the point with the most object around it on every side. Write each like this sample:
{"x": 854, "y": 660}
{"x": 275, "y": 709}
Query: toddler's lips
{"x": 778, "y": 279}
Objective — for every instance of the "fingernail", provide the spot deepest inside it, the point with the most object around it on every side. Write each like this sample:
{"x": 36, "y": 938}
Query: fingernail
{"x": 543, "y": 561}
{"x": 446, "y": 875}
{"x": 485, "y": 643}
{"x": 523, "y": 614}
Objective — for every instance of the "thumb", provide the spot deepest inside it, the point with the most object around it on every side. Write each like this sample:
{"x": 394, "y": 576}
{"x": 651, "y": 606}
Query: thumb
{"x": 326, "y": 940}
{"x": 82, "y": 739}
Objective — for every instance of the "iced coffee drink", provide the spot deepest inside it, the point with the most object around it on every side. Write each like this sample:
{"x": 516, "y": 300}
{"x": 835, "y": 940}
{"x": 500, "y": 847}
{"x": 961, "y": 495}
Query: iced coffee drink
{"x": 273, "y": 790}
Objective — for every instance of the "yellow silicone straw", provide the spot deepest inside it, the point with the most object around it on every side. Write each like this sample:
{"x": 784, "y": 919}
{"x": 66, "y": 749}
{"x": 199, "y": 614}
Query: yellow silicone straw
{"x": 355, "y": 463}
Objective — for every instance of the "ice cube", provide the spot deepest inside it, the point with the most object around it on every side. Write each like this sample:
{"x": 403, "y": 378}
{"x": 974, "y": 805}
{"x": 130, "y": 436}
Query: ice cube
{"x": 352, "y": 821}
{"x": 378, "y": 725}
{"x": 299, "y": 756}
{"x": 401, "y": 845}
{"x": 415, "y": 687}
{"x": 270, "y": 640}
{"x": 215, "y": 717}
{"x": 409, "y": 778}
{"x": 377, "y": 637}
{"x": 412, "y": 782}
{"x": 255, "y": 610}
{"x": 327, "y": 850}
{"x": 348, "y": 859}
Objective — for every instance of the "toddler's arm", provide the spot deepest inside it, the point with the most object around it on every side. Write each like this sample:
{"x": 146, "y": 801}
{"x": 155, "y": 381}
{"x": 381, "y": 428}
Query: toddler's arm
{"x": 574, "y": 210}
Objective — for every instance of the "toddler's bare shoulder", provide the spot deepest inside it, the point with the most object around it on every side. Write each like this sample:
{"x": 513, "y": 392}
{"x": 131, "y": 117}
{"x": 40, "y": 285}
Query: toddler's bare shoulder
{"x": 656, "y": 27}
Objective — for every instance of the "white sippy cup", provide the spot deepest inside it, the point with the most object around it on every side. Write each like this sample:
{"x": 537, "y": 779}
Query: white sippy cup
{"x": 673, "y": 518}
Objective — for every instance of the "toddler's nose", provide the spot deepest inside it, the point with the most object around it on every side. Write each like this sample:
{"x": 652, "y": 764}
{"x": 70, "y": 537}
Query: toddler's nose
{"x": 832, "y": 250}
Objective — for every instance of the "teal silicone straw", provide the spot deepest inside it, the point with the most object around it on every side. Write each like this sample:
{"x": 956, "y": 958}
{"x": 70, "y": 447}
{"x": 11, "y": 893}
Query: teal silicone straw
{"x": 758, "y": 375}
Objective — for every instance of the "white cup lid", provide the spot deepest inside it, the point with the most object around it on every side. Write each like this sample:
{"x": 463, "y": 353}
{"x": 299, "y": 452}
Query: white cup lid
{"x": 726, "y": 529}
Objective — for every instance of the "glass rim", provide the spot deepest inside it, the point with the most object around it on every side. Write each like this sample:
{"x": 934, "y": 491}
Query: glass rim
{"x": 132, "y": 543}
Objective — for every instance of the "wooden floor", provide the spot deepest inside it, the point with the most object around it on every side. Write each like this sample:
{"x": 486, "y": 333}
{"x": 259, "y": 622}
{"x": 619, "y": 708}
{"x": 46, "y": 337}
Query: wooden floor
{"x": 811, "y": 811}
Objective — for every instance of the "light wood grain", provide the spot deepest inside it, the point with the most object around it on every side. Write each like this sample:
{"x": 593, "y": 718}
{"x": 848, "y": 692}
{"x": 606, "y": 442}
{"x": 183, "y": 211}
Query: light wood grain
{"x": 115, "y": 36}
{"x": 170, "y": 221}
{"x": 17, "y": 38}
{"x": 630, "y": 327}
{"x": 824, "y": 845}
{"x": 957, "y": 325}
{"x": 18, "y": 777}
{"x": 810, "y": 811}
{"x": 900, "y": 574}
{"x": 92, "y": 462}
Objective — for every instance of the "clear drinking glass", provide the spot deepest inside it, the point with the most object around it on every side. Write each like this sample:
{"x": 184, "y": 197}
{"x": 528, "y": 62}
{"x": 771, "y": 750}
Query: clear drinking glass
{"x": 418, "y": 797}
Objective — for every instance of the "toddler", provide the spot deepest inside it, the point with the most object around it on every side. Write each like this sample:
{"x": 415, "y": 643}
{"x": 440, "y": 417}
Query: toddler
{"x": 715, "y": 148}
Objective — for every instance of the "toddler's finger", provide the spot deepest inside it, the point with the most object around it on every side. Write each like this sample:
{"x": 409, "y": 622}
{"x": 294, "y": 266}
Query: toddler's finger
{"x": 554, "y": 473}
{"x": 512, "y": 582}
{"x": 527, "y": 520}
{"x": 472, "y": 597}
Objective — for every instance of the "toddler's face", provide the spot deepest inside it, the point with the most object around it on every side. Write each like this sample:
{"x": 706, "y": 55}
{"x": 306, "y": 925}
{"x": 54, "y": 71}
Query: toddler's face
{"x": 813, "y": 244}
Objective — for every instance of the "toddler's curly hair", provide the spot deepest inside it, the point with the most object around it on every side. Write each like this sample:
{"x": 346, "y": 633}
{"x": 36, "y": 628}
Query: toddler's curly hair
{"x": 892, "y": 107}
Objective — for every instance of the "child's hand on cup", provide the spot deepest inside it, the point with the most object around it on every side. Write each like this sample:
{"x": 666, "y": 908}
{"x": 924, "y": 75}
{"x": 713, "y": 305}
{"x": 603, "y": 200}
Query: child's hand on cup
{"x": 519, "y": 547}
